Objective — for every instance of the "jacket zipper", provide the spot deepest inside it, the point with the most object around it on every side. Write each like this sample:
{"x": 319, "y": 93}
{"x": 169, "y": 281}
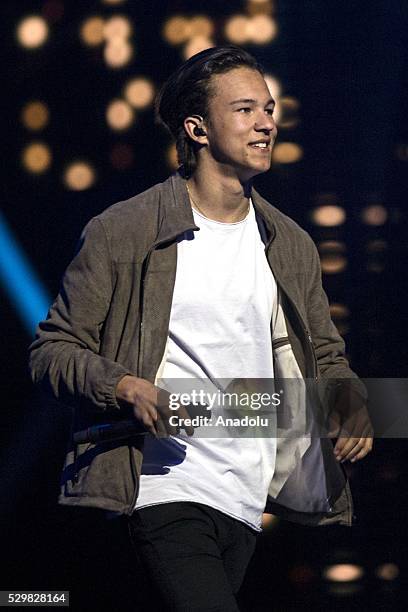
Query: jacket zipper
{"x": 299, "y": 317}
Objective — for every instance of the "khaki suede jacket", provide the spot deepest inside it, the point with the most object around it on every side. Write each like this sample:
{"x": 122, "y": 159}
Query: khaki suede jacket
{"x": 111, "y": 318}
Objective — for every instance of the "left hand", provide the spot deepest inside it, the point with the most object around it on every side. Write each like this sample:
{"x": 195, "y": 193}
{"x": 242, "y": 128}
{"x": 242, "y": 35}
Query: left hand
{"x": 352, "y": 427}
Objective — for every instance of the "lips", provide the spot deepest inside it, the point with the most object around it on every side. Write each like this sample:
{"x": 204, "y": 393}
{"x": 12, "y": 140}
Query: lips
{"x": 260, "y": 146}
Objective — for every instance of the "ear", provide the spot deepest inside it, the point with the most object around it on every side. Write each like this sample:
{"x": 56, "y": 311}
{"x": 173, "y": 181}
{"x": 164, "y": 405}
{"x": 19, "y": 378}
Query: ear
{"x": 193, "y": 125}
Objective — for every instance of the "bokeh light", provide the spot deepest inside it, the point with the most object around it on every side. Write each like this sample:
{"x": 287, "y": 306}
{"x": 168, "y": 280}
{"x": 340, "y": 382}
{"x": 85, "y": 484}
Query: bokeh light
{"x": 332, "y": 258}
{"x": 343, "y": 572}
{"x": 262, "y": 29}
{"x": 119, "y": 115}
{"x": 118, "y": 52}
{"x": 36, "y": 157}
{"x": 286, "y": 114}
{"x": 32, "y": 32}
{"x": 274, "y": 85}
{"x": 171, "y": 157}
{"x": 79, "y": 175}
{"x": 201, "y": 25}
{"x": 333, "y": 264}
{"x": 269, "y": 520}
{"x": 401, "y": 152}
{"x": 387, "y": 571}
{"x": 113, "y": 2}
{"x": 35, "y": 115}
{"x": 376, "y": 246}
{"x": 287, "y": 153}
{"x": 375, "y": 214}
{"x": 195, "y": 45}
{"x": 328, "y": 215}
{"x": 275, "y": 88}
{"x": 139, "y": 92}
{"x": 177, "y": 30}
{"x": 117, "y": 27}
{"x": 237, "y": 29}
{"x": 339, "y": 311}
{"x": 340, "y": 314}
{"x": 92, "y": 31}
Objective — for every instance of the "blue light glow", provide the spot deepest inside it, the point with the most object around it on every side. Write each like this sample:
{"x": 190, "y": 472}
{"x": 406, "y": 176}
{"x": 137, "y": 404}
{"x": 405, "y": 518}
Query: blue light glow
{"x": 20, "y": 280}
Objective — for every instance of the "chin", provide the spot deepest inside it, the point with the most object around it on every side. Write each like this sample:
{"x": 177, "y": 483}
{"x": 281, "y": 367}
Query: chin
{"x": 259, "y": 170}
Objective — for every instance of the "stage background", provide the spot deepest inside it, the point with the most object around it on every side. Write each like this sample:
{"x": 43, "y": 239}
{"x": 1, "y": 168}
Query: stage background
{"x": 78, "y": 84}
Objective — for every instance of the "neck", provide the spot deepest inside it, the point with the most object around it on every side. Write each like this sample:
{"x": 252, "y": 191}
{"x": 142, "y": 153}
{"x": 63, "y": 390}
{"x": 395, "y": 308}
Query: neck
{"x": 221, "y": 198}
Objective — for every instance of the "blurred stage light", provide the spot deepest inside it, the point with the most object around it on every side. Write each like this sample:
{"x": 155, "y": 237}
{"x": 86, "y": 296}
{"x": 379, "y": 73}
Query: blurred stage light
{"x": 32, "y": 32}
{"x": 274, "y": 85}
{"x": 177, "y": 30}
{"x": 118, "y": 52}
{"x": 201, "y": 25}
{"x": 401, "y": 152}
{"x": 171, "y": 157}
{"x": 275, "y": 89}
{"x": 287, "y": 153}
{"x": 269, "y": 521}
{"x": 117, "y": 27}
{"x": 121, "y": 156}
{"x": 343, "y": 572}
{"x": 262, "y": 29}
{"x": 328, "y": 215}
{"x": 376, "y": 246}
{"x": 286, "y": 112}
{"x": 119, "y": 115}
{"x": 332, "y": 257}
{"x": 92, "y": 31}
{"x": 20, "y": 280}
{"x": 195, "y": 45}
{"x": 139, "y": 92}
{"x": 375, "y": 214}
{"x": 331, "y": 246}
{"x": 339, "y": 311}
{"x": 35, "y": 115}
{"x": 333, "y": 264}
{"x": 376, "y": 263}
{"x": 237, "y": 29}
{"x": 36, "y": 157}
{"x": 79, "y": 175}
{"x": 387, "y": 571}
{"x": 113, "y": 1}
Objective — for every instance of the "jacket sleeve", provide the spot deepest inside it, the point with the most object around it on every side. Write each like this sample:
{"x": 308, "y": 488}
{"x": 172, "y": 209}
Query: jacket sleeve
{"x": 328, "y": 344}
{"x": 64, "y": 357}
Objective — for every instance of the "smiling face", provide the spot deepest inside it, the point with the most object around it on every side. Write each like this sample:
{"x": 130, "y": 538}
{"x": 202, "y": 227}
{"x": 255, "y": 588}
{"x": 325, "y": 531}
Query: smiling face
{"x": 240, "y": 129}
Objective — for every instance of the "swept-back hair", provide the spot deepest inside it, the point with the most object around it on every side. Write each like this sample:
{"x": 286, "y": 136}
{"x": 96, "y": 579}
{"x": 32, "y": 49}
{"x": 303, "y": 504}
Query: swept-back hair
{"x": 188, "y": 90}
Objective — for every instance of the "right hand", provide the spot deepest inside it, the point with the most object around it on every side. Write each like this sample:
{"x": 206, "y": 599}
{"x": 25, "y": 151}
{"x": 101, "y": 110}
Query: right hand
{"x": 150, "y": 406}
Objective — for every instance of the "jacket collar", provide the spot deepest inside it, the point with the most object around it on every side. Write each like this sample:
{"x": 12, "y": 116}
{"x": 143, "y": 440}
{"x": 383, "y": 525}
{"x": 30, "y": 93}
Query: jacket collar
{"x": 177, "y": 215}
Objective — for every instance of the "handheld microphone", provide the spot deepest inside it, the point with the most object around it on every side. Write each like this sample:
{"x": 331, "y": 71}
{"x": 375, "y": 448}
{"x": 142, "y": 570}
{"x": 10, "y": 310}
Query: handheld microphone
{"x": 108, "y": 432}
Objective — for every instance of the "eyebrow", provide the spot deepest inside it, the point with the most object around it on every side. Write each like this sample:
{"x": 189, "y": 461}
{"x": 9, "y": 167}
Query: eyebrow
{"x": 251, "y": 101}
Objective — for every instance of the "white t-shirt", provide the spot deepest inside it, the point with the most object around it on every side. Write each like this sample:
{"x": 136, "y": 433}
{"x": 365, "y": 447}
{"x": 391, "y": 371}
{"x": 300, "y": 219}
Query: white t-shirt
{"x": 219, "y": 328}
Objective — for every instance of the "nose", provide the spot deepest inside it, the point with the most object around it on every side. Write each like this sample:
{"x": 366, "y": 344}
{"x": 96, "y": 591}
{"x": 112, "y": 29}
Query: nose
{"x": 264, "y": 122}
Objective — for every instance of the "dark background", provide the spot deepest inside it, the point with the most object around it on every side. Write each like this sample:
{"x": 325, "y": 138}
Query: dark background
{"x": 346, "y": 63}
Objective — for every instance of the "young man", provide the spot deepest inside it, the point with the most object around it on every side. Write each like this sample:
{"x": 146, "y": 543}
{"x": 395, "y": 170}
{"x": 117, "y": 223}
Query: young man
{"x": 198, "y": 278}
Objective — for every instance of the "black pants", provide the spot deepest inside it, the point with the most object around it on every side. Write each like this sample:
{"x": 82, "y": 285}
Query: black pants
{"x": 192, "y": 556}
